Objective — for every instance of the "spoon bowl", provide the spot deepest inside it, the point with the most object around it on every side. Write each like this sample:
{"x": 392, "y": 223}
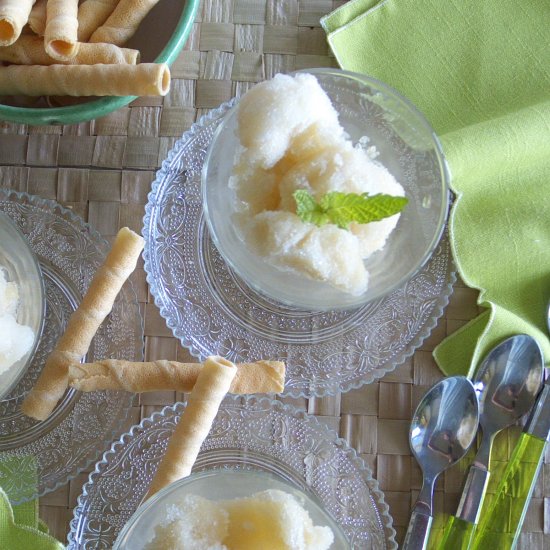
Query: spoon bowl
{"x": 444, "y": 424}
{"x": 442, "y": 429}
{"x": 507, "y": 382}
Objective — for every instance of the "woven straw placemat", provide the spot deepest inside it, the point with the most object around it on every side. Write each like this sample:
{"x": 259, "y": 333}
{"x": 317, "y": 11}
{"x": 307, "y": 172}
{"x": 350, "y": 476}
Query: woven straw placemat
{"x": 103, "y": 170}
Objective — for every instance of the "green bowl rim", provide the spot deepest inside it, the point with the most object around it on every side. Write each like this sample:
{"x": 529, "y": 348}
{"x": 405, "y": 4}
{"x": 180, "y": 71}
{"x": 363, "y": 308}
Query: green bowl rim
{"x": 74, "y": 114}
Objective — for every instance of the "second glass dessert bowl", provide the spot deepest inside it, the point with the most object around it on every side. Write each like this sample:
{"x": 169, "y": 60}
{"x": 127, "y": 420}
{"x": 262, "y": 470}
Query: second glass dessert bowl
{"x": 20, "y": 267}
{"x": 373, "y": 116}
{"x": 179, "y": 510}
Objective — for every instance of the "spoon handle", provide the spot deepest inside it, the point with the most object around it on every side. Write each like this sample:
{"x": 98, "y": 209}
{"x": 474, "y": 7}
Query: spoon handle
{"x": 460, "y": 529}
{"x": 418, "y": 531}
{"x": 458, "y": 534}
{"x": 501, "y": 524}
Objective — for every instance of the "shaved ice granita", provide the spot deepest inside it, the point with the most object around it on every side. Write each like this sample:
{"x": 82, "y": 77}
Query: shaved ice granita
{"x": 306, "y": 199}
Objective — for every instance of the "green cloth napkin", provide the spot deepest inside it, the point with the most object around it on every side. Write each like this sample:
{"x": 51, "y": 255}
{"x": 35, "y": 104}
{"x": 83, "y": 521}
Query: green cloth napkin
{"x": 20, "y": 526}
{"x": 480, "y": 72}
{"x": 21, "y": 529}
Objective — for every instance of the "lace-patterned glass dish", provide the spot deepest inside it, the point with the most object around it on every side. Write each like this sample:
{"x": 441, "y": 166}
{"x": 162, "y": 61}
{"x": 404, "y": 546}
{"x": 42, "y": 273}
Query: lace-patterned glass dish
{"x": 213, "y": 312}
{"x": 82, "y": 425}
{"x": 249, "y": 434}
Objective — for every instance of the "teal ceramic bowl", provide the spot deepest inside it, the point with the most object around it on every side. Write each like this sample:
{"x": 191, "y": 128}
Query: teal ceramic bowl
{"x": 160, "y": 38}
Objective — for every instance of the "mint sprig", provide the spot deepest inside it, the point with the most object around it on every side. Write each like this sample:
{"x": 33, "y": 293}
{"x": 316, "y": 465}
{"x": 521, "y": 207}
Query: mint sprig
{"x": 343, "y": 208}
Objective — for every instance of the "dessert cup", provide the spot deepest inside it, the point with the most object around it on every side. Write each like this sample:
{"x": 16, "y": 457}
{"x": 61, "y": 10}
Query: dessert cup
{"x": 372, "y": 114}
{"x": 215, "y": 485}
{"x": 20, "y": 266}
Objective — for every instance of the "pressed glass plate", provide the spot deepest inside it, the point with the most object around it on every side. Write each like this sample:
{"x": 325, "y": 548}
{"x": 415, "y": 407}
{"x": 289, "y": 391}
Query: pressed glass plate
{"x": 248, "y": 433}
{"x": 83, "y": 424}
{"x": 213, "y": 312}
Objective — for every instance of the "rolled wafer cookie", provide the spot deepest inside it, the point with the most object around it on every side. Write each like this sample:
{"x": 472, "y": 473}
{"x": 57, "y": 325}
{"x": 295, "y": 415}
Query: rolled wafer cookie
{"x": 14, "y": 15}
{"x": 29, "y": 50}
{"x": 212, "y": 385}
{"x": 61, "y": 34}
{"x": 113, "y": 374}
{"x": 123, "y": 22}
{"x": 83, "y": 324}
{"x": 37, "y": 17}
{"x": 91, "y": 15}
{"x": 85, "y": 80}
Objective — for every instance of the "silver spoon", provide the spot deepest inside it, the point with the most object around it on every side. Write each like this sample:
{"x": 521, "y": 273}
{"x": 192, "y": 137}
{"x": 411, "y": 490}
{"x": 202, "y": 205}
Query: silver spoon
{"x": 507, "y": 383}
{"x": 442, "y": 429}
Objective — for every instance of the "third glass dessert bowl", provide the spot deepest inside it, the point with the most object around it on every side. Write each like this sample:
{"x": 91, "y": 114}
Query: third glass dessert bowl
{"x": 236, "y": 508}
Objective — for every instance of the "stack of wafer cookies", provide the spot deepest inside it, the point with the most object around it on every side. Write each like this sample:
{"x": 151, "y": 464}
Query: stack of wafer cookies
{"x": 208, "y": 383}
{"x": 58, "y": 48}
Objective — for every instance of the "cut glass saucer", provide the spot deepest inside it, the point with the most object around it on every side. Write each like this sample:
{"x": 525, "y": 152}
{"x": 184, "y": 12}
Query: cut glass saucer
{"x": 214, "y": 312}
{"x": 251, "y": 434}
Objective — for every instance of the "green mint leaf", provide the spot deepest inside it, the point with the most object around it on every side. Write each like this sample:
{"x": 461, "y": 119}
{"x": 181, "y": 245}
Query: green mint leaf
{"x": 307, "y": 208}
{"x": 344, "y": 208}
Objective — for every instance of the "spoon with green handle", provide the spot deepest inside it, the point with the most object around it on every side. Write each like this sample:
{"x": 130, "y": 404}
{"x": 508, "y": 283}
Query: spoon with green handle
{"x": 506, "y": 383}
{"x": 501, "y": 523}
{"x": 442, "y": 429}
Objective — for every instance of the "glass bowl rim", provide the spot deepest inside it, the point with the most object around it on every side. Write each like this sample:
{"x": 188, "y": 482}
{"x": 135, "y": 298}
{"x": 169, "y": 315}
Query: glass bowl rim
{"x": 444, "y": 179}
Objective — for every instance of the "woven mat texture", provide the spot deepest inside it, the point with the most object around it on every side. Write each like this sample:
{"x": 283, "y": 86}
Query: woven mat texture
{"x": 103, "y": 170}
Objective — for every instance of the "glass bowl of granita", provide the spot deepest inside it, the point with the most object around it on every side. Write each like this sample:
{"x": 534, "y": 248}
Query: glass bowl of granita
{"x": 235, "y": 510}
{"x": 22, "y": 305}
{"x": 325, "y": 189}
